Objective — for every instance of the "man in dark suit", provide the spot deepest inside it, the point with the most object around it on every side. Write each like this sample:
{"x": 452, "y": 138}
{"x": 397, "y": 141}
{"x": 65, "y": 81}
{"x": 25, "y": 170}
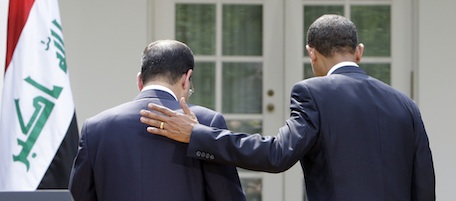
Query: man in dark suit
{"x": 119, "y": 160}
{"x": 357, "y": 138}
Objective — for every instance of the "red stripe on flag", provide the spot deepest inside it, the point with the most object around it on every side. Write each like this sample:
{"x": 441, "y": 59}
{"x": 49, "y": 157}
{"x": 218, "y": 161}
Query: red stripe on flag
{"x": 17, "y": 17}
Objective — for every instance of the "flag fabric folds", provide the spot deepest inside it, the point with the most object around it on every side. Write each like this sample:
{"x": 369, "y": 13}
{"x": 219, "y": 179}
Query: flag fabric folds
{"x": 38, "y": 128}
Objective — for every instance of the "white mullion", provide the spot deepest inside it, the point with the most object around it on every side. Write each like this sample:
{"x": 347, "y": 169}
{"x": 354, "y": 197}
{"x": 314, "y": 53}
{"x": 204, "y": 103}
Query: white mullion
{"x": 368, "y": 3}
{"x": 402, "y": 37}
{"x": 222, "y": 1}
{"x": 414, "y": 92}
{"x": 243, "y": 116}
{"x": 372, "y": 2}
{"x": 244, "y": 2}
{"x": 218, "y": 53}
{"x": 376, "y": 60}
{"x": 243, "y": 59}
{"x": 206, "y": 58}
{"x": 322, "y": 3}
{"x": 347, "y": 9}
{"x": 353, "y": 2}
{"x": 194, "y": 1}
{"x": 370, "y": 60}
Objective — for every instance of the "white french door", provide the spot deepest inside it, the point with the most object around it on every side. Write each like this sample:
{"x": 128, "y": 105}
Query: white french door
{"x": 249, "y": 53}
{"x": 239, "y": 67}
{"x": 385, "y": 29}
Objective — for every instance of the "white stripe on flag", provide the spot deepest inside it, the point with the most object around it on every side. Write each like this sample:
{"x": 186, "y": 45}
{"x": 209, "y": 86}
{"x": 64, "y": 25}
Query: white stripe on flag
{"x": 37, "y": 106}
{"x": 3, "y": 21}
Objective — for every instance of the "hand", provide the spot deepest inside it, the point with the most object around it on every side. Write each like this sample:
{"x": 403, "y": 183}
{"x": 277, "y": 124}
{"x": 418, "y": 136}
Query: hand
{"x": 172, "y": 124}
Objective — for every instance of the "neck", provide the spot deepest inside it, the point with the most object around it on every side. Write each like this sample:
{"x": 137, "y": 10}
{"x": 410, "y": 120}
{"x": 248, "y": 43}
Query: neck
{"x": 335, "y": 59}
{"x": 173, "y": 88}
{"x": 329, "y": 62}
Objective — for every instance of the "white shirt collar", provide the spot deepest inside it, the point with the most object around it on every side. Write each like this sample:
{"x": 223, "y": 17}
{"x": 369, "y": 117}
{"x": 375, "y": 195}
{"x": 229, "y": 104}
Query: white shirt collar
{"x": 159, "y": 87}
{"x": 341, "y": 64}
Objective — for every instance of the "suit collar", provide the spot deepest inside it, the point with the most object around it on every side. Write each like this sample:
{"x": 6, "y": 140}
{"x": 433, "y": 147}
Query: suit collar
{"x": 155, "y": 93}
{"x": 340, "y": 65}
{"x": 159, "y": 87}
{"x": 349, "y": 69}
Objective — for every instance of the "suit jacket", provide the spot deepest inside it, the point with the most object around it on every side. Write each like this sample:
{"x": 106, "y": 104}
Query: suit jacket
{"x": 356, "y": 138}
{"x": 119, "y": 160}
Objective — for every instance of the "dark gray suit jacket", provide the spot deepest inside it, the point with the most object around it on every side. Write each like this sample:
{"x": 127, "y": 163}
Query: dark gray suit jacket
{"x": 356, "y": 138}
{"x": 118, "y": 160}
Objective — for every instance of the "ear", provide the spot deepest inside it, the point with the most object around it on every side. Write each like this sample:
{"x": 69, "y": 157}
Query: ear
{"x": 359, "y": 52}
{"x": 186, "y": 83}
{"x": 312, "y": 53}
{"x": 139, "y": 81}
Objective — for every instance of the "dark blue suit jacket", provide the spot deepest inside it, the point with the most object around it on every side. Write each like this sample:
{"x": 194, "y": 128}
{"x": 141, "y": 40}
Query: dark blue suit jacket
{"x": 357, "y": 139}
{"x": 118, "y": 160}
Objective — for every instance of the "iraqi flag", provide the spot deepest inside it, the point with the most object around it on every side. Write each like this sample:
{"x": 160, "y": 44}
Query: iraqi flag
{"x": 38, "y": 129}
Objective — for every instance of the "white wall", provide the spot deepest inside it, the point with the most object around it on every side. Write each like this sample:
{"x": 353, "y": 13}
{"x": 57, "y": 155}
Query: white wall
{"x": 437, "y": 88}
{"x": 104, "y": 40}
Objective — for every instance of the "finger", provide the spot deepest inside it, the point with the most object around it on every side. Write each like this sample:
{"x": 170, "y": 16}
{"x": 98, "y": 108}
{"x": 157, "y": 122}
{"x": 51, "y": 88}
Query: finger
{"x": 162, "y": 109}
{"x": 153, "y": 115}
{"x": 151, "y": 118}
{"x": 185, "y": 107}
{"x": 157, "y": 131}
{"x": 150, "y": 122}
{"x": 165, "y": 133}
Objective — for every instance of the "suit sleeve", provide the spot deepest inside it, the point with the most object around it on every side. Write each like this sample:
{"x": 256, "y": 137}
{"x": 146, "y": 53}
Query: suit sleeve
{"x": 81, "y": 180}
{"x": 263, "y": 153}
{"x": 222, "y": 181}
{"x": 423, "y": 186}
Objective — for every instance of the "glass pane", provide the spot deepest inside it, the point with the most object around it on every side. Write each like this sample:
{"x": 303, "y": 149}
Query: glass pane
{"x": 374, "y": 28}
{"x": 308, "y": 72}
{"x": 242, "y": 88}
{"x": 242, "y": 30}
{"x": 245, "y": 126}
{"x": 252, "y": 188}
{"x": 195, "y": 26}
{"x": 311, "y": 13}
{"x": 203, "y": 79}
{"x": 381, "y": 71}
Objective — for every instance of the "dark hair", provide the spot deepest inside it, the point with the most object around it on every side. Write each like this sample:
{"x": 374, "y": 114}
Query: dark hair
{"x": 166, "y": 58}
{"x": 331, "y": 34}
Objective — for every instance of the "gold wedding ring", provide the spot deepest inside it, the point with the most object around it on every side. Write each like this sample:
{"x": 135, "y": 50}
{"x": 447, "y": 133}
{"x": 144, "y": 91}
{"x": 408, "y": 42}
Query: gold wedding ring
{"x": 161, "y": 125}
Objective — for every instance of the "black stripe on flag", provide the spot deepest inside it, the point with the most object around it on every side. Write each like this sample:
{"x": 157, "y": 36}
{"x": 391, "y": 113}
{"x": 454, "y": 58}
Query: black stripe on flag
{"x": 58, "y": 173}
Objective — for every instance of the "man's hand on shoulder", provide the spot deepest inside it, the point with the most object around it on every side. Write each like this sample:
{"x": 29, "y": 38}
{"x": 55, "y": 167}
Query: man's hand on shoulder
{"x": 172, "y": 124}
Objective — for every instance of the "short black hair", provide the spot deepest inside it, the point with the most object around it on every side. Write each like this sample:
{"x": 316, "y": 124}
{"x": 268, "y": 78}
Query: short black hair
{"x": 166, "y": 58}
{"x": 331, "y": 34}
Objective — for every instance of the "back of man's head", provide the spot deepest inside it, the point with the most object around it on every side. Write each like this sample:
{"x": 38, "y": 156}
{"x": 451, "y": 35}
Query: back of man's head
{"x": 166, "y": 59}
{"x": 331, "y": 34}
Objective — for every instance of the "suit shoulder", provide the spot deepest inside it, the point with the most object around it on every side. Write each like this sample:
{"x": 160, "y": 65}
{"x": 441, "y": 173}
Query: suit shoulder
{"x": 310, "y": 83}
{"x": 313, "y": 81}
{"x": 199, "y": 110}
{"x": 209, "y": 117}
{"x": 123, "y": 110}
